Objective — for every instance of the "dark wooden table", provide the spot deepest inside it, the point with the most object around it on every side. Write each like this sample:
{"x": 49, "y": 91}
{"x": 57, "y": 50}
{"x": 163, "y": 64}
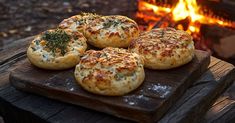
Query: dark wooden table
{"x": 203, "y": 102}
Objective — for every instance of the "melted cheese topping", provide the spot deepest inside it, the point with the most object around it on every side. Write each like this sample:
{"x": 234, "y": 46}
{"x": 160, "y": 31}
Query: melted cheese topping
{"x": 165, "y": 46}
{"x": 114, "y": 31}
{"x": 78, "y": 22}
{"x": 108, "y": 69}
{"x": 76, "y": 46}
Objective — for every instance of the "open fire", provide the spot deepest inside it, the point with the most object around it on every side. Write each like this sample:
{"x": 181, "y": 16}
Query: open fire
{"x": 185, "y": 14}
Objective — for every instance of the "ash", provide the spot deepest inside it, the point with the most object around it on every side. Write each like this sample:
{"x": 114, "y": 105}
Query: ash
{"x": 162, "y": 90}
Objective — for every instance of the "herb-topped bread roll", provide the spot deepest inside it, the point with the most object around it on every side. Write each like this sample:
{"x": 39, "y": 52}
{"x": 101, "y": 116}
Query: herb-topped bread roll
{"x": 78, "y": 22}
{"x": 111, "y": 31}
{"x": 57, "y": 49}
{"x": 164, "y": 48}
{"x": 111, "y": 71}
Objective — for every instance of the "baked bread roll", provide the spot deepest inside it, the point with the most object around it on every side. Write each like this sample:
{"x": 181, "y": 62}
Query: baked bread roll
{"x": 164, "y": 48}
{"x": 57, "y": 49}
{"x": 78, "y": 22}
{"x": 111, "y": 71}
{"x": 111, "y": 31}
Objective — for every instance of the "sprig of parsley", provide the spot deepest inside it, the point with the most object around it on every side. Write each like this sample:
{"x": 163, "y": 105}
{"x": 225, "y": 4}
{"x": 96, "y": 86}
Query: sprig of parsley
{"x": 57, "y": 39}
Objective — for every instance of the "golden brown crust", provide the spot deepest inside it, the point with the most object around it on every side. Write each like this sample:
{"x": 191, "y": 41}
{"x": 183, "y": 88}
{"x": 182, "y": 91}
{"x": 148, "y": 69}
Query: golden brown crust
{"x": 111, "y": 31}
{"x": 43, "y": 57}
{"x": 111, "y": 71}
{"x": 164, "y": 48}
{"x": 78, "y": 22}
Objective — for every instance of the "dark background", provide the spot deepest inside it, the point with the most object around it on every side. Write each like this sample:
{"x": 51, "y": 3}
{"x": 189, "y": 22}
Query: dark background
{"x": 23, "y": 18}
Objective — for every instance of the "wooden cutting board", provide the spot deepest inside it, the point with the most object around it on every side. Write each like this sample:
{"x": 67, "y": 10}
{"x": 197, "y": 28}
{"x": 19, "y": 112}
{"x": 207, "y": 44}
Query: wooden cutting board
{"x": 148, "y": 103}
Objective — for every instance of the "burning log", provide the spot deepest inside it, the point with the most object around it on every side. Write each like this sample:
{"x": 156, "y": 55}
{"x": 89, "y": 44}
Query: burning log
{"x": 220, "y": 40}
{"x": 187, "y": 15}
{"x": 164, "y": 22}
{"x": 183, "y": 24}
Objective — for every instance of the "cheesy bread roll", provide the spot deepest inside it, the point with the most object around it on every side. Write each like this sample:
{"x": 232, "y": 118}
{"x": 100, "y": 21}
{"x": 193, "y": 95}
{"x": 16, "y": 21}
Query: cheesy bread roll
{"x": 164, "y": 48}
{"x": 111, "y": 31}
{"x": 111, "y": 71}
{"x": 78, "y": 22}
{"x": 57, "y": 49}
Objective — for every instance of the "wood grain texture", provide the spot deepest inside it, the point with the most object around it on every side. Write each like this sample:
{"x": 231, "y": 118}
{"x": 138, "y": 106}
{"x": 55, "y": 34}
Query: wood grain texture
{"x": 7, "y": 67}
{"x": 10, "y": 56}
{"x": 20, "y": 107}
{"x": 148, "y": 103}
{"x": 201, "y": 95}
{"x": 223, "y": 110}
{"x": 183, "y": 108}
{"x": 12, "y": 113}
{"x": 14, "y": 50}
{"x": 70, "y": 113}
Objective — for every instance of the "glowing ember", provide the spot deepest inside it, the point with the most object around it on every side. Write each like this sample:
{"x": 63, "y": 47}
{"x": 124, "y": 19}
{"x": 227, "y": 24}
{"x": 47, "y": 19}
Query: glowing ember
{"x": 184, "y": 10}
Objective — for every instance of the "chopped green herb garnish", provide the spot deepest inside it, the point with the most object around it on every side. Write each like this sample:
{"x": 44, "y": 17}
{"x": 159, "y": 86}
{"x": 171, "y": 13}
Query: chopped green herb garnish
{"x": 110, "y": 23}
{"x": 118, "y": 76}
{"x": 37, "y": 42}
{"x": 88, "y": 16}
{"x": 57, "y": 39}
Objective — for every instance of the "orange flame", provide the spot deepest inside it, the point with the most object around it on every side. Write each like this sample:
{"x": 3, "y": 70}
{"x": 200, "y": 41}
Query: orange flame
{"x": 186, "y": 8}
{"x": 183, "y": 9}
{"x": 147, "y": 6}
